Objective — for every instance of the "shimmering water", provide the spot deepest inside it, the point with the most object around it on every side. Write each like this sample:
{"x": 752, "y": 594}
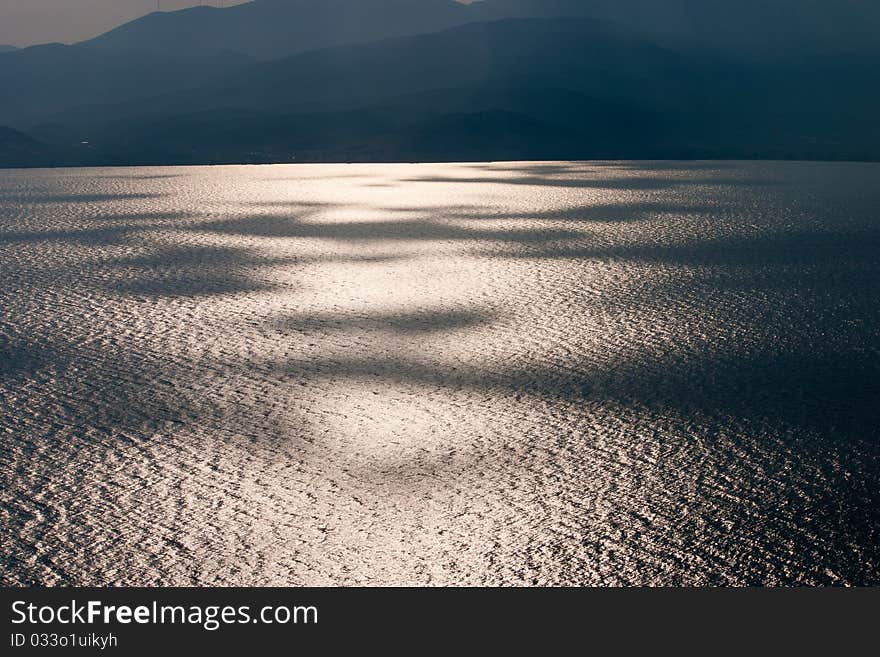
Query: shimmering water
{"x": 445, "y": 374}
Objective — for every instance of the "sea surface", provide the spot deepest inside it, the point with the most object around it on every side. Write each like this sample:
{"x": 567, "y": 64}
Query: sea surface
{"x": 502, "y": 374}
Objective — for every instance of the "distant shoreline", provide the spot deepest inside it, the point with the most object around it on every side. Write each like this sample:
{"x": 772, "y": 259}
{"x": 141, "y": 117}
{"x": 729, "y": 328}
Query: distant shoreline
{"x": 731, "y": 160}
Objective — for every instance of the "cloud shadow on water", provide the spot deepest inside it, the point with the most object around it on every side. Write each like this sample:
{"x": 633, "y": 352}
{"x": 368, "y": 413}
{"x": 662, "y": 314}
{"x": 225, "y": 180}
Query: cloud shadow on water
{"x": 189, "y": 271}
{"x": 424, "y": 321}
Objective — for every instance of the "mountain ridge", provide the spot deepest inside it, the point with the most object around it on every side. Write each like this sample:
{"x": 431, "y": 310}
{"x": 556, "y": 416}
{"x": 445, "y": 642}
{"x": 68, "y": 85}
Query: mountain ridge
{"x": 651, "y": 96}
{"x": 611, "y": 92}
{"x": 270, "y": 29}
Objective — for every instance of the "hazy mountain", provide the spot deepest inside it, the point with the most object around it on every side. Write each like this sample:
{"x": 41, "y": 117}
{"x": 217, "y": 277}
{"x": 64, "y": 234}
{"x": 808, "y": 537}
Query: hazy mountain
{"x": 578, "y": 54}
{"x": 167, "y": 51}
{"x": 474, "y": 122}
{"x": 435, "y": 79}
{"x": 4, "y": 49}
{"x": 743, "y": 27}
{"x": 172, "y": 50}
{"x": 20, "y": 150}
{"x": 43, "y": 80}
{"x": 525, "y": 88}
{"x": 269, "y": 29}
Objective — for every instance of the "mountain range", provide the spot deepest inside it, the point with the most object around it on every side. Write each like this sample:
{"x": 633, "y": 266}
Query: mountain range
{"x": 385, "y": 80}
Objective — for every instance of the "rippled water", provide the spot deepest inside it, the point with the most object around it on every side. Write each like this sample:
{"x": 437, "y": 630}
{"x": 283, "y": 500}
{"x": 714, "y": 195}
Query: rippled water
{"x": 443, "y": 374}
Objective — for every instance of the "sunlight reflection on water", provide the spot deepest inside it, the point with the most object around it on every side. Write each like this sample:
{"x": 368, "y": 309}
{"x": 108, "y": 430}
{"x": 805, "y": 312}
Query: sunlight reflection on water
{"x": 510, "y": 373}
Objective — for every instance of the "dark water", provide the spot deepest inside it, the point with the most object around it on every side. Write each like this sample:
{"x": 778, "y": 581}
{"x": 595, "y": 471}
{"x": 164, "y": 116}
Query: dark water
{"x": 553, "y": 373}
